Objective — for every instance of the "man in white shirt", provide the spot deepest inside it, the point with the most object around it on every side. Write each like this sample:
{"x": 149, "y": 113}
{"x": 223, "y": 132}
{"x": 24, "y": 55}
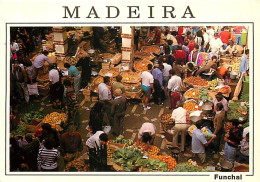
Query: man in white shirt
{"x": 179, "y": 116}
{"x": 146, "y": 133}
{"x": 174, "y": 85}
{"x": 95, "y": 144}
{"x": 215, "y": 43}
{"x": 54, "y": 76}
{"x": 105, "y": 97}
{"x": 166, "y": 75}
{"x": 210, "y": 32}
{"x": 147, "y": 86}
{"x": 206, "y": 40}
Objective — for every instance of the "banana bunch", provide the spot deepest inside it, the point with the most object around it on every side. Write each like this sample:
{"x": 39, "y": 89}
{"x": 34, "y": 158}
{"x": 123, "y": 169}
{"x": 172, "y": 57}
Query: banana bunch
{"x": 193, "y": 163}
{"x": 55, "y": 118}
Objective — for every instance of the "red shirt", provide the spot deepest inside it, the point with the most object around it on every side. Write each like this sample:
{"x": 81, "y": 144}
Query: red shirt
{"x": 191, "y": 45}
{"x": 238, "y": 29}
{"x": 180, "y": 54}
{"x": 225, "y": 36}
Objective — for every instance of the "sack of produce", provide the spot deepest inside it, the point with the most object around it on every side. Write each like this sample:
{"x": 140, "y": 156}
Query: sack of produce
{"x": 33, "y": 89}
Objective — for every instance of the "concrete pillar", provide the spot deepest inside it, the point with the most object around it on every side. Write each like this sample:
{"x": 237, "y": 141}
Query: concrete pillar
{"x": 127, "y": 47}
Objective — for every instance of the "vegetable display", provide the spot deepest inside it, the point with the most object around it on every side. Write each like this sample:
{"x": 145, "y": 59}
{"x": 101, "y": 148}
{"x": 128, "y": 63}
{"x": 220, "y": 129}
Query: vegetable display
{"x": 191, "y": 106}
{"x": 77, "y": 165}
{"x": 245, "y": 98}
{"x": 213, "y": 83}
{"x": 152, "y": 165}
{"x": 31, "y": 116}
{"x": 192, "y": 93}
{"x": 171, "y": 162}
{"x": 236, "y": 111}
{"x": 186, "y": 167}
{"x": 196, "y": 81}
{"x": 166, "y": 118}
{"x": 127, "y": 158}
{"x": 19, "y": 130}
{"x": 150, "y": 149}
{"x": 128, "y": 142}
{"x": 204, "y": 96}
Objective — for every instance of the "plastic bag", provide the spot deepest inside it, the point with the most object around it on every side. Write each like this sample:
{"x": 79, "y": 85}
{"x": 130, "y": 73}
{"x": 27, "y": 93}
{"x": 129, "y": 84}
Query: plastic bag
{"x": 33, "y": 89}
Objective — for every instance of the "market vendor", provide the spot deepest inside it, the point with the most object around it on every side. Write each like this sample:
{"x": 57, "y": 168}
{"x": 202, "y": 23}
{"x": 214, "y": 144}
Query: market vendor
{"x": 195, "y": 56}
{"x": 220, "y": 99}
{"x": 146, "y": 133}
{"x": 118, "y": 85}
{"x": 174, "y": 85}
{"x": 199, "y": 142}
{"x": 74, "y": 73}
{"x": 84, "y": 62}
{"x": 70, "y": 144}
{"x": 105, "y": 97}
{"x": 231, "y": 49}
{"x": 218, "y": 125}
{"x": 190, "y": 69}
{"x": 39, "y": 60}
{"x": 96, "y": 147}
{"x": 244, "y": 64}
{"x": 179, "y": 117}
{"x": 232, "y": 138}
{"x": 211, "y": 70}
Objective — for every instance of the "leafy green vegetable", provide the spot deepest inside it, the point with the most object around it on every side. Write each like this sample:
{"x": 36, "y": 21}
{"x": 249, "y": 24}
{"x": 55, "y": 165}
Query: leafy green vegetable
{"x": 19, "y": 130}
{"x": 245, "y": 98}
{"x": 185, "y": 167}
{"x": 204, "y": 96}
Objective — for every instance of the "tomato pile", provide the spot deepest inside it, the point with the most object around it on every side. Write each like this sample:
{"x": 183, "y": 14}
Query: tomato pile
{"x": 196, "y": 81}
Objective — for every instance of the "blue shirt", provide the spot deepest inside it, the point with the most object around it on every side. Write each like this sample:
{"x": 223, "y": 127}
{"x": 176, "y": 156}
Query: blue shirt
{"x": 73, "y": 71}
{"x": 198, "y": 141}
{"x": 157, "y": 74}
{"x": 243, "y": 64}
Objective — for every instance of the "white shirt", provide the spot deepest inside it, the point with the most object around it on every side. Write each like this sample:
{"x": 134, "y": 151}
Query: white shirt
{"x": 14, "y": 47}
{"x": 166, "y": 69}
{"x": 147, "y": 78}
{"x": 211, "y": 34}
{"x": 54, "y": 76}
{"x": 39, "y": 61}
{"x": 147, "y": 127}
{"x": 179, "y": 115}
{"x": 206, "y": 38}
{"x": 172, "y": 38}
{"x": 91, "y": 142}
{"x": 174, "y": 83}
{"x": 104, "y": 92}
{"x": 215, "y": 44}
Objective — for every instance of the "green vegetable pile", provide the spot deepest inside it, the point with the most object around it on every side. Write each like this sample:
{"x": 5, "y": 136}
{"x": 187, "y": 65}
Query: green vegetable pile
{"x": 128, "y": 142}
{"x": 204, "y": 96}
{"x": 33, "y": 115}
{"x": 153, "y": 164}
{"x": 19, "y": 130}
{"x": 245, "y": 98}
{"x": 213, "y": 83}
{"x": 233, "y": 112}
{"x": 127, "y": 158}
{"x": 185, "y": 167}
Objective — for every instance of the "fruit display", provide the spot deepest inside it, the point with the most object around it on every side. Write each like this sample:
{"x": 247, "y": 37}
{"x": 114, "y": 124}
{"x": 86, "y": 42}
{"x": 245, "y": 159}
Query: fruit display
{"x": 166, "y": 118}
{"x": 224, "y": 90}
{"x": 190, "y": 105}
{"x": 55, "y": 118}
{"x": 76, "y": 165}
{"x": 151, "y": 49}
{"x": 28, "y": 118}
{"x": 191, "y": 93}
{"x": 204, "y": 96}
{"x": 134, "y": 89}
{"x": 196, "y": 81}
{"x": 235, "y": 67}
{"x": 141, "y": 65}
{"x": 19, "y": 130}
{"x": 152, "y": 165}
{"x": 186, "y": 167}
{"x": 127, "y": 142}
{"x": 113, "y": 72}
{"x": 213, "y": 83}
{"x": 71, "y": 60}
{"x": 144, "y": 55}
{"x": 130, "y": 76}
{"x": 150, "y": 149}
{"x": 191, "y": 162}
{"x": 127, "y": 158}
{"x": 169, "y": 160}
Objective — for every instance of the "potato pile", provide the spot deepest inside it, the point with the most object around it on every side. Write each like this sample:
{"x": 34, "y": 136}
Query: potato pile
{"x": 55, "y": 118}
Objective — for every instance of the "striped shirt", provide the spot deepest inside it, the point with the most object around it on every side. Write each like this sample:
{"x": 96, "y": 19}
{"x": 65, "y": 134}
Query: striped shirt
{"x": 47, "y": 158}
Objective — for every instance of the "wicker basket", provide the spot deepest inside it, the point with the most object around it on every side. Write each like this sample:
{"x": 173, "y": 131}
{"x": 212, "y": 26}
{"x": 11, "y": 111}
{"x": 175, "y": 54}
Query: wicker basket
{"x": 141, "y": 65}
{"x": 133, "y": 95}
{"x": 130, "y": 77}
{"x": 154, "y": 48}
{"x": 113, "y": 72}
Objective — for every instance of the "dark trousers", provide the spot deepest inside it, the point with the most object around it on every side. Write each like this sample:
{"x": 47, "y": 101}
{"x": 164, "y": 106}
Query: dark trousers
{"x": 117, "y": 126}
{"x": 158, "y": 92}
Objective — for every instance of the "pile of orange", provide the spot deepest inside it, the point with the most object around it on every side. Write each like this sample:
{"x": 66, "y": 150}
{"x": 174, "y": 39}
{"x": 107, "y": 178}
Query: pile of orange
{"x": 170, "y": 161}
{"x": 191, "y": 106}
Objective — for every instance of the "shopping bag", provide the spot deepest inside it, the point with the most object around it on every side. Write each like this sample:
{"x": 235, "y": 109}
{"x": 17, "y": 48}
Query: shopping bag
{"x": 33, "y": 89}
